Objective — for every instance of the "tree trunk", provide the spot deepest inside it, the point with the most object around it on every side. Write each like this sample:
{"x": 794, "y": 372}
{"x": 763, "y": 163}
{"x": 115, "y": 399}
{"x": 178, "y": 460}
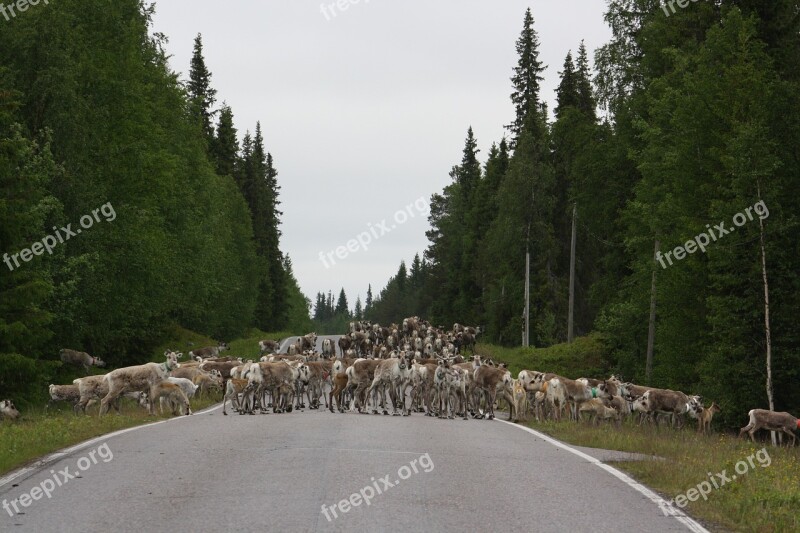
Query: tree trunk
{"x": 767, "y": 334}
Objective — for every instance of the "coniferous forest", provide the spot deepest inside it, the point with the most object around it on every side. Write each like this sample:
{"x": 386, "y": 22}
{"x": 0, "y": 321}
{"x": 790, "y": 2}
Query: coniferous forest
{"x": 92, "y": 115}
{"x": 676, "y": 125}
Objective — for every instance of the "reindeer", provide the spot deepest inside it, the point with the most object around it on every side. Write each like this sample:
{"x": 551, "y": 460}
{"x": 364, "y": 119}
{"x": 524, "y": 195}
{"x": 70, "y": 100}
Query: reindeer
{"x": 771, "y": 421}
{"x": 392, "y": 373}
{"x": 80, "y": 358}
{"x": 706, "y": 415}
{"x": 136, "y": 379}
{"x": 487, "y": 379}
{"x": 7, "y": 410}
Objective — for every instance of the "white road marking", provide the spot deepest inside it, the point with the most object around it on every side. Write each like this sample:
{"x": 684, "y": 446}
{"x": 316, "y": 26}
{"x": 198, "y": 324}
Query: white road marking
{"x": 663, "y": 505}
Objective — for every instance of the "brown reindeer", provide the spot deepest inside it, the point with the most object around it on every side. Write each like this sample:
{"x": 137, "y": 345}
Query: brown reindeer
{"x": 704, "y": 420}
{"x": 771, "y": 421}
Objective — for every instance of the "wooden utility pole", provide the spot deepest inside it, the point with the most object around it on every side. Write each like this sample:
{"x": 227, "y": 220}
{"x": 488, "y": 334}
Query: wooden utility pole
{"x": 526, "y": 338}
{"x": 651, "y": 332}
{"x": 571, "y": 317}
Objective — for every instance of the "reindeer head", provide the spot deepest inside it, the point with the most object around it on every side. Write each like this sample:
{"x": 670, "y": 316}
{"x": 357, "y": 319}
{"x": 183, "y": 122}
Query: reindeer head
{"x": 640, "y": 403}
{"x": 8, "y": 409}
{"x": 144, "y": 400}
{"x": 171, "y": 362}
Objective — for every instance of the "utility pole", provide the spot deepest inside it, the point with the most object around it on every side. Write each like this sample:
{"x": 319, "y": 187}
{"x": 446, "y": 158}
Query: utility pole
{"x": 571, "y": 317}
{"x": 527, "y": 314}
{"x": 651, "y": 332}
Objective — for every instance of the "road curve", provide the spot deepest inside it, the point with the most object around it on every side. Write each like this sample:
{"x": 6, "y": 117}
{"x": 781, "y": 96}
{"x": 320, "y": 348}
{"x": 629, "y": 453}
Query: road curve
{"x": 209, "y": 472}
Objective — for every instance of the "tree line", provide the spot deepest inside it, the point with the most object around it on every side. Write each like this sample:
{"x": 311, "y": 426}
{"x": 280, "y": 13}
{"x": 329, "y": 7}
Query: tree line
{"x": 91, "y": 113}
{"x": 681, "y": 123}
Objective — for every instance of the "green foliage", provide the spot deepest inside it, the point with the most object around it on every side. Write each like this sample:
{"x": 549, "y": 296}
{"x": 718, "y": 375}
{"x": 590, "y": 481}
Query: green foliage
{"x": 703, "y": 109}
{"x": 202, "y": 94}
{"x": 91, "y": 114}
{"x": 589, "y": 356}
{"x": 25, "y": 379}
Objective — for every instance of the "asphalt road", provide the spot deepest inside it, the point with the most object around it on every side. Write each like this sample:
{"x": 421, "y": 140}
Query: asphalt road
{"x": 285, "y": 343}
{"x": 208, "y": 472}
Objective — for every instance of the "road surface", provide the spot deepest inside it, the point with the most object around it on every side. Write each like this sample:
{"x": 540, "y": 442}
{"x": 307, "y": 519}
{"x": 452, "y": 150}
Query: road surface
{"x": 209, "y": 472}
{"x": 286, "y": 342}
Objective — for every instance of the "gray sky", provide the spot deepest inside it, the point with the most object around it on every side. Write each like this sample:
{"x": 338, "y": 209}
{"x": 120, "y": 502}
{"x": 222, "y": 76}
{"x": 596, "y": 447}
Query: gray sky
{"x": 366, "y": 110}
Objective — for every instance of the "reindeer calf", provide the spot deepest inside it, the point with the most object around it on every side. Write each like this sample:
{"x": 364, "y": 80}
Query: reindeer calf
{"x": 704, "y": 420}
{"x": 174, "y": 395}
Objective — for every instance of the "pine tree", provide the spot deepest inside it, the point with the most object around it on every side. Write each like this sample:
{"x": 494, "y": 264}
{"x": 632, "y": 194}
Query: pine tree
{"x": 358, "y": 312}
{"x": 319, "y": 307}
{"x": 203, "y": 96}
{"x": 567, "y": 92}
{"x": 527, "y": 77}
{"x": 244, "y": 169}
{"x": 225, "y": 148}
{"x": 342, "y": 308}
{"x": 468, "y": 174}
{"x": 416, "y": 272}
{"x": 368, "y": 301}
{"x": 585, "y": 97}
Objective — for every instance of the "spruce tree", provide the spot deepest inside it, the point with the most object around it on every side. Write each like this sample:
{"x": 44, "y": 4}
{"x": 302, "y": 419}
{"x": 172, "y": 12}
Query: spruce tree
{"x": 358, "y": 312}
{"x": 527, "y": 77}
{"x": 585, "y": 97}
{"x": 368, "y": 300}
{"x": 202, "y": 94}
{"x": 225, "y": 148}
{"x": 342, "y": 308}
{"x": 567, "y": 94}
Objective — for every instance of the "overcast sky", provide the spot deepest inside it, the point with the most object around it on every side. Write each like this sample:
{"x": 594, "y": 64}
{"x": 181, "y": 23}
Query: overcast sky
{"x": 366, "y": 110}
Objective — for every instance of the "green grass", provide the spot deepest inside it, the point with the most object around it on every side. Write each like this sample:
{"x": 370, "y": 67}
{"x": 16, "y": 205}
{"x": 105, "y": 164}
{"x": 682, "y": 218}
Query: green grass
{"x": 184, "y": 340}
{"x": 247, "y": 347}
{"x": 38, "y": 433}
{"x": 765, "y": 499}
{"x": 585, "y": 357}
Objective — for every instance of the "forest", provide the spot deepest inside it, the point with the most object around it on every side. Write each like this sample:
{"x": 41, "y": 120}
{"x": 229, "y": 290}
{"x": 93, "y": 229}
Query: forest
{"x": 679, "y": 124}
{"x": 92, "y": 115}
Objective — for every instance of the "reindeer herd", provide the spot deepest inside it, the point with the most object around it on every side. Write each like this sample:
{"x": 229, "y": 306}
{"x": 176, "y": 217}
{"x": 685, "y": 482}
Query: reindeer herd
{"x": 404, "y": 368}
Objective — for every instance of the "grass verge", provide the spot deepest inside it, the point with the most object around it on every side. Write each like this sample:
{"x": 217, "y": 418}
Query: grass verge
{"x": 586, "y": 356}
{"x": 765, "y": 498}
{"x": 184, "y": 340}
{"x": 38, "y": 433}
